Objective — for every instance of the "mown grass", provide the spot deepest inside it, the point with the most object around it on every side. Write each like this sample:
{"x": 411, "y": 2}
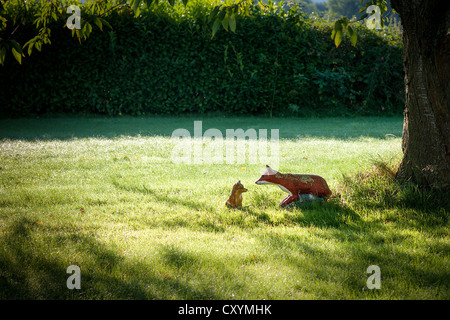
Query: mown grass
{"x": 105, "y": 195}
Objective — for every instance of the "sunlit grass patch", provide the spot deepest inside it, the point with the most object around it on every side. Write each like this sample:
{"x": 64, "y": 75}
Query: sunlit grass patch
{"x": 141, "y": 227}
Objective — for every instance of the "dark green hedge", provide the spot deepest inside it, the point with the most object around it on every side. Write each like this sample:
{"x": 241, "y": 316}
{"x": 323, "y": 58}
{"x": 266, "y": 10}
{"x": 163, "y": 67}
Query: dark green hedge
{"x": 163, "y": 64}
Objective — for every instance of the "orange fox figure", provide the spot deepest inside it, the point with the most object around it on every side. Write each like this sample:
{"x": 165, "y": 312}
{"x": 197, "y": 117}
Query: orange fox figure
{"x": 235, "y": 199}
{"x": 295, "y": 184}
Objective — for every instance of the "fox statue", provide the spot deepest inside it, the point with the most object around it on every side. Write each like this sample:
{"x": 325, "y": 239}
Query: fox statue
{"x": 235, "y": 199}
{"x": 296, "y": 185}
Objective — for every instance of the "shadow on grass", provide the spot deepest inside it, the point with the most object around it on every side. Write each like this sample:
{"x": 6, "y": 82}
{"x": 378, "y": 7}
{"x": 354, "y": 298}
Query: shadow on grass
{"x": 381, "y": 226}
{"x": 66, "y": 128}
{"x": 334, "y": 260}
{"x": 33, "y": 267}
{"x": 323, "y": 214}
{"x": 35, "y": 256}
{"x": 164, "y": 198}
{"x": 379, "y": 191}
{"x": 189, "y": 265}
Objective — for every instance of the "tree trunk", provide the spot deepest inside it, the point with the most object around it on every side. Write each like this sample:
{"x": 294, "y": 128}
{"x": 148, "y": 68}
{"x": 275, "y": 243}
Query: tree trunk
{"x": 426, "y": 58}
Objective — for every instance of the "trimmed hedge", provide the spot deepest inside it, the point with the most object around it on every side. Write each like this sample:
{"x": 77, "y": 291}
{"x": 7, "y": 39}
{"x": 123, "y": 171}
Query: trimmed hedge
{"x": 165, "y": 62}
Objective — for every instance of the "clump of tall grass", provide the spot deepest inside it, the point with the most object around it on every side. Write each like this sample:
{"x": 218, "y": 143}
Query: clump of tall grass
{"x": 378, "y": 188}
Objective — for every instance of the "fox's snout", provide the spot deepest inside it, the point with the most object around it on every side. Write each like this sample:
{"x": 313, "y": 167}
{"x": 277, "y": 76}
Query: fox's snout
{"x": 262, "y": 181}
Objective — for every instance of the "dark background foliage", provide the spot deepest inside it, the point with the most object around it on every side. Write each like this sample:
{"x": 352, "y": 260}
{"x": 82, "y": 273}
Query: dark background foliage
{"x": 164, "y": 63}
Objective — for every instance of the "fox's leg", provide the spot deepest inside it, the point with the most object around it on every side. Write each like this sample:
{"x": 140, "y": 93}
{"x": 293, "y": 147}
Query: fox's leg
{"x": 288, "y": 200}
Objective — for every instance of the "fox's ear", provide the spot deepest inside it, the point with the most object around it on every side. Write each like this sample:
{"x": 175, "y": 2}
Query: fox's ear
{"x": 270, "y": 171}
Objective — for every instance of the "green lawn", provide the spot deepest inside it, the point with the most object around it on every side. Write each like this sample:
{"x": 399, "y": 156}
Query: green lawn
{"x": 104, "y": 194}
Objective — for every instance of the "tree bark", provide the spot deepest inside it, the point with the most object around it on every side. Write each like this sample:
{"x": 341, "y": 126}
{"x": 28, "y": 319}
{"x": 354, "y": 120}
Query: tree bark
{"x": 426, "y": 58}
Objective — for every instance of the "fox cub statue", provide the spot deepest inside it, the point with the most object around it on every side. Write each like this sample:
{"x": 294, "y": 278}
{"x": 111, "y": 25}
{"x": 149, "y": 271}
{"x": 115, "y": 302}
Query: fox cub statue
{"x": 235, "y": 199}
{"x": 296, "y": 185}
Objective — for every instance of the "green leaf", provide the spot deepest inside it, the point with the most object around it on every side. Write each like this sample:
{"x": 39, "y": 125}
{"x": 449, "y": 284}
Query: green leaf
{"x": 30, "y": 45}
{"x": 30, "y": 48}
{"x": 88, "y": 29}
{"x": 83, "y": 30}
{"x": 353, "y": 35}
{"x": 338, "y": 38}
{"x": 98, "y": 23}
{"x": 225, "y": 22}
{"x": 136, "y": 4}
{"x": 172, "y": 2}
{"x": 38, "y": 44}
{"x": 216, "y": 26}
{"x": 337, "y": 28}
{"x": 77, "y": 32}
{"x": 232, "y": 23}
{"x": 2, "y": 55}
{"x": 16, "y": 46}
{"x": 17, "y": 55}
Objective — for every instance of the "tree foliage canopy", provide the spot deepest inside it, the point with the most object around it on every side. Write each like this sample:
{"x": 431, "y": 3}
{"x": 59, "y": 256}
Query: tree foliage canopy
{"x": 16, "y": 15}
{"x": 174, "y": 61}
